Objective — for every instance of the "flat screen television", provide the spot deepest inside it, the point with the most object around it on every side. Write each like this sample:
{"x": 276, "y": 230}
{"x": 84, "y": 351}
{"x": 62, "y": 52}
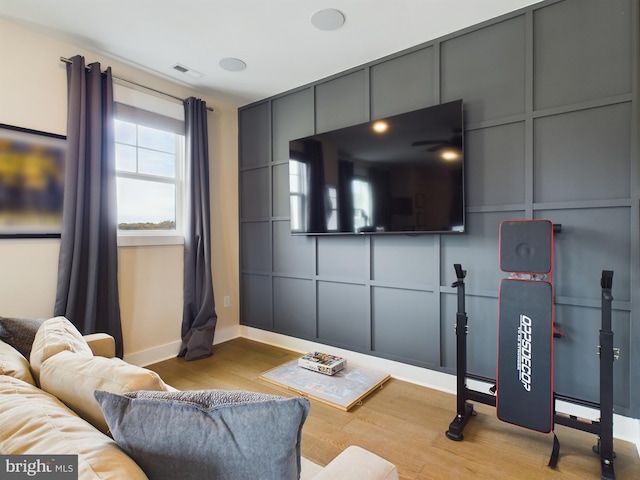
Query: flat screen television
{"x": 400, "y": 174}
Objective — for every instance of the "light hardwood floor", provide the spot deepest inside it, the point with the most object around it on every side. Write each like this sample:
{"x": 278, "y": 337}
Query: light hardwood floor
{"x": 405, "y": 424}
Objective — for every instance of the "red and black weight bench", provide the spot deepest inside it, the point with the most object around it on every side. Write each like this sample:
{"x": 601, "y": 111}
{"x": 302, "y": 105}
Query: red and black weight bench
{"x": 523, "y": 391}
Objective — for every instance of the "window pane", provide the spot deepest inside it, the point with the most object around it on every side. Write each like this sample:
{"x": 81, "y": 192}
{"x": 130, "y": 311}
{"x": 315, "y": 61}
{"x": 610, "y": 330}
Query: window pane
{"x": 125, "y": 132}
{"x": 156, "y": 139}
{"x": 144, "y": 205}
{"x": 125, "y": 158}
{"x": 156, "y": 163}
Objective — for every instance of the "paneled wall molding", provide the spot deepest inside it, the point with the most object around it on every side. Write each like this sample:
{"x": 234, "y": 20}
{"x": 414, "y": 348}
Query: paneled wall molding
{"x": 550, "y": 97}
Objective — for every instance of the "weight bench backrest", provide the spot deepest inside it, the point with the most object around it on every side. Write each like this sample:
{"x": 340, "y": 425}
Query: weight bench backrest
{"x": 525, "y": 325}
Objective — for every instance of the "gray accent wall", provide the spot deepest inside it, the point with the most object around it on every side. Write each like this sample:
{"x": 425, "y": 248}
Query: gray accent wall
{"x": 551, "y": 132}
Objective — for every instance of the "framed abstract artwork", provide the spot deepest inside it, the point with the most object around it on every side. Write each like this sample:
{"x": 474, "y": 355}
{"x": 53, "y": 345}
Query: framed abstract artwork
{"x": 31, "y": 182}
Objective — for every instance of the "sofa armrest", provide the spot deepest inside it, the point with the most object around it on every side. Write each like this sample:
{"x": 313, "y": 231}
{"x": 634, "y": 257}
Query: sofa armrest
{"x": 356, "y": 462}
{"x": 101, "y": 344}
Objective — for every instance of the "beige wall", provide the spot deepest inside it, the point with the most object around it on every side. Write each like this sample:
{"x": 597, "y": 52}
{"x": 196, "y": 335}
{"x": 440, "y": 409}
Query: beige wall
{"x": 33, "y": 95}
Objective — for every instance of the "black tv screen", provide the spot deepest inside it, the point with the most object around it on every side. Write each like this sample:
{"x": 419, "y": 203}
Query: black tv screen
{"x": 400, "y": 174}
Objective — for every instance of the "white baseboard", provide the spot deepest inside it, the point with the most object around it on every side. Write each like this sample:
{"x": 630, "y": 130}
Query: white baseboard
{"x": 624, "y": 428}
{"x": 170, "y": 350}
{"x": 153, "y": 355}
{"x": 401, "y": 371}
{"x": 228, "y": 333}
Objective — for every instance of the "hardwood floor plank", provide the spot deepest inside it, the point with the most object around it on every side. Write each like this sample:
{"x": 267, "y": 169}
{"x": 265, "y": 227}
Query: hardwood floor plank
{"x": 406, "y": 424}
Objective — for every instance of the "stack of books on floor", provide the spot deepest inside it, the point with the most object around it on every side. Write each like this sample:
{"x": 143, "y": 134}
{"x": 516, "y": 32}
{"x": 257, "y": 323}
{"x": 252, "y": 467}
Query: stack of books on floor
{"x": 322, "y": 363}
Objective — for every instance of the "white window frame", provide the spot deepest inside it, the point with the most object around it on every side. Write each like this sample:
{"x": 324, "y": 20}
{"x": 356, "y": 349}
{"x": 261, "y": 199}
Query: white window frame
{"x": 151, "y": 103}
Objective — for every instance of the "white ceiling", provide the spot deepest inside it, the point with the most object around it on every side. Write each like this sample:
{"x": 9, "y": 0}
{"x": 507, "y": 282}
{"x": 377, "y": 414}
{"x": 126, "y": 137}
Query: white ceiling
{"x": 275, "y": 38}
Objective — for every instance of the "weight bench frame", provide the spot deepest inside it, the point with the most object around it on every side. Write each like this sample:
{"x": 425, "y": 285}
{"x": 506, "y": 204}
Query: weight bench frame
{"x": 602, "y": 428}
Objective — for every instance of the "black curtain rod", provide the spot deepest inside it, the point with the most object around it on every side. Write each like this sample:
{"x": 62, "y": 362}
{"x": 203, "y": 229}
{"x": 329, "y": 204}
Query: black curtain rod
{"x": 66, "y": 60}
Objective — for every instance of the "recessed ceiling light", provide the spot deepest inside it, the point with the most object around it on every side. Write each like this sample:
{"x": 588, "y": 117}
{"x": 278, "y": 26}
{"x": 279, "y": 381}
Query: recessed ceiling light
{"x": 232, "y": 64}
{"x": 327, "y": 19}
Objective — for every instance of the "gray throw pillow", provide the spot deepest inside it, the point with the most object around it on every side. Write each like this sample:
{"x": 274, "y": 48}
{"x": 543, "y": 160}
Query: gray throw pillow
{"x": 19, "y": 333}
{"x": 217, "y": 434}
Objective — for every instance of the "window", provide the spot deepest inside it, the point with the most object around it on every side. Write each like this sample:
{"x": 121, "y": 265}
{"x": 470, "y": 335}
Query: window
{"x": 148, "y": 165}
{"x": 149, "y": 154}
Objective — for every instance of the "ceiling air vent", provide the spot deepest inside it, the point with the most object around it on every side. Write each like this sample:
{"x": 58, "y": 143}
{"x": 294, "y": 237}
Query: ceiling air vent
{"x": 187, "y": 71}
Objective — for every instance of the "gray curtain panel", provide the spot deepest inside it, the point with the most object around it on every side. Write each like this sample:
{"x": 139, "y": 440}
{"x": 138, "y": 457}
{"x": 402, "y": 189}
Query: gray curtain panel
{"x": 199, "y": 313}
{"x": 87, "y": 289}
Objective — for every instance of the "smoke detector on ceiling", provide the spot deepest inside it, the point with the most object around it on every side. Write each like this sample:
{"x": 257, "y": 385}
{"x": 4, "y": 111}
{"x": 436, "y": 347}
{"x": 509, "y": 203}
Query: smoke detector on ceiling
{"x": 187, "y": 71}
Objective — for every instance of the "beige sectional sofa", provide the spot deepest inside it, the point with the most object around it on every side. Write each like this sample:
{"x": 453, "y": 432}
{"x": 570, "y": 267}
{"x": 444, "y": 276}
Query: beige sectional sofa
{"x": 48, "y": 407}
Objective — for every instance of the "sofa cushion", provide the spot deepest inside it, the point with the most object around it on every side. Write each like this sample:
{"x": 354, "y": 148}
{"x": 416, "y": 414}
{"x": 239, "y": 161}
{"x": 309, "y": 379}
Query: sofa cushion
{"x": 73, "y": 378}
{"x": 56, "y": 335}
{"x": 34, "y": 422}
{"x": 13, "y": 363}
{"x": 227, "y": 435}
{"x": 19, "y": 333}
